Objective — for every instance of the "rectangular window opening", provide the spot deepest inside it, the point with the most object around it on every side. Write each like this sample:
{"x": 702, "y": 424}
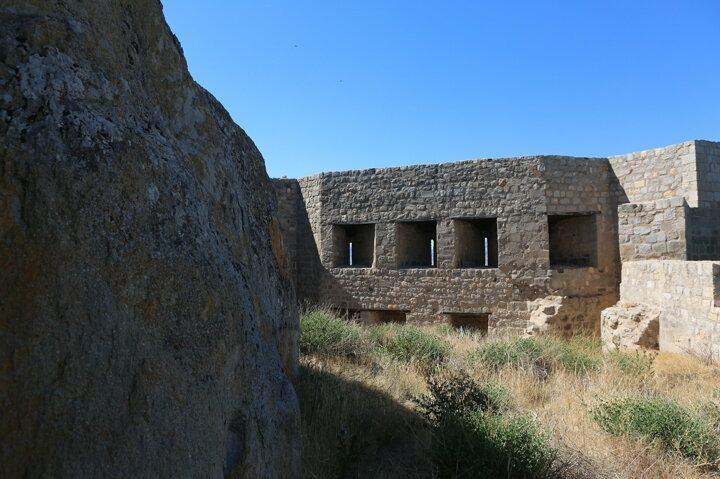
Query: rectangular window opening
{"x": 354, "y": 245}
{"x": 382, "y": 316}
{"x": 476, "y": 243}
{"x": 416, "y": 244}
{"x": 573, "y": 240}
{"x": 478, "y": 322}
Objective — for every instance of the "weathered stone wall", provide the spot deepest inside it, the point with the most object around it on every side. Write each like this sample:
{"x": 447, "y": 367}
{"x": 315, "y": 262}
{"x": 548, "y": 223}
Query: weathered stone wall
{"x": 708, "y": 172}
{"x": 703, "y": 233}
{"x": 653, "y": 230}
{"x": 652, "y": 189}
{"x": 311, "y": 274}
{"x": 661, "y": 173}
{"x": 686, "y": 294}
{"x": 519, "y": 192}
{"x": 147, "y": 328}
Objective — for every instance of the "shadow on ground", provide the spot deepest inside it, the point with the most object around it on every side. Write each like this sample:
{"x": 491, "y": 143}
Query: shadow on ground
{"x": 353, "y": 431}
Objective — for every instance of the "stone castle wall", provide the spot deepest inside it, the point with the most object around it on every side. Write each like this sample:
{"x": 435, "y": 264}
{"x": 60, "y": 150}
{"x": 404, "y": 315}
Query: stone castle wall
{"x": 520, "y": 193}
{"x": 594, "y": 214}
{"x": 660, "y": 173}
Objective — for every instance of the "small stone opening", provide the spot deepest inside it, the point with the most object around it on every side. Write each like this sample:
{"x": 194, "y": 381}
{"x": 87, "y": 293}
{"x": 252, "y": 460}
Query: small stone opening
{"x": 381, "y": 316}
{"x": 478, "y": 322}
{"x": 354, "y": 245}
{"x": 416, "y": 244}
{"x": 573, "y": 240}
{"x": 476, "y": 243}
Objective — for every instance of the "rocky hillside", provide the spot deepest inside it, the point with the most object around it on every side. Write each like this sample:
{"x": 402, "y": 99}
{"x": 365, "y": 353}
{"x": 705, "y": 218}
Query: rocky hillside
{"x": 146, "y": 328}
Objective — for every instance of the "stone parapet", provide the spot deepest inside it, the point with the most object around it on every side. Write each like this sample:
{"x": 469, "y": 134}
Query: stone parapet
{"x": 652, "y": 230}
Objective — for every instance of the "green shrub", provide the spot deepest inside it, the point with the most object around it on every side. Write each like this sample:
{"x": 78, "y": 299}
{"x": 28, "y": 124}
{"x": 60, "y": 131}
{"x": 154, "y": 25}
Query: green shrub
{"x": 660, "y": 421}
{"x": 458, "y": 394}
{"x": 579, "y": 355}
{"x": 323, "y": 333}
{"x": 473, "y": 436}
{"x": 409, "y": 344}
{"x": 508, "y": 352}
{"x": 480, "y": 444}
{"x": 711, "y": 411}
{"x": 635, "y": 363}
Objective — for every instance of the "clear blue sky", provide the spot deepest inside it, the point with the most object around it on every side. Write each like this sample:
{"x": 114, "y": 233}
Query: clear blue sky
{"x": 335, "y": 85}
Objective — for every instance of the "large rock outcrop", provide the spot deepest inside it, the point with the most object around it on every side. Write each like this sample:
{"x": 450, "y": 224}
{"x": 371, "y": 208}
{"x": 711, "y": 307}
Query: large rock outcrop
{"x": 146, "y": 329}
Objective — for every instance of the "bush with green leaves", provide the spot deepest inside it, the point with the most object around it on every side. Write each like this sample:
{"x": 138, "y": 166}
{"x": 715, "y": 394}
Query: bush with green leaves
{"x": 482, "y": 444}
{"x": 475, "y": 435}
{"x": 323, "y": 333}
{"x": 458, "y": 394}
{"x": 579, "y": 355}
{"x": 412, "y": 344}
{"x": 663, "y": 422}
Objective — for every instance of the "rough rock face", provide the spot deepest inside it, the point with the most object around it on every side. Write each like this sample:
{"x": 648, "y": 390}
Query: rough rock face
{"x": 631, "y": 326}
{"x": 145, "y": 328}
{"x": 566, "y": 316}
{"x": 543, "y": 314}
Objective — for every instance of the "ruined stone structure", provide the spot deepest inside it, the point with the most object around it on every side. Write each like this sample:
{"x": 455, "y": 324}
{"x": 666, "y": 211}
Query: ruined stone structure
{"x": 526, "y": 244}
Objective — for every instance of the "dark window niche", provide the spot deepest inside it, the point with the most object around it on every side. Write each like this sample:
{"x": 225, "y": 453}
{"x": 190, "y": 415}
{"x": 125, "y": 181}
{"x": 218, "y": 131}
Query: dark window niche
{"x": 476, "y": 243}
{"x": 381, "y": 316}
{"x": 354, "y": 245}
{"x": 416, "y": 244}
{"x": 573, "y": 240}
{"x": 478, "y": 322}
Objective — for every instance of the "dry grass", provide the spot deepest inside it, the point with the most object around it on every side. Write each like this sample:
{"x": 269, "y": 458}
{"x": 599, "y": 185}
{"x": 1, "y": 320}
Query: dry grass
{"x": 359, "y": 418}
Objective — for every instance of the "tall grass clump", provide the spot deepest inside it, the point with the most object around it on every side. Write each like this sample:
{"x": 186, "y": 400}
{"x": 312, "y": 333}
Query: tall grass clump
{"x": 663, "y": 422}
{"x": 476, "y": 435}
{"x": 412, "y": 344}
{"x": 633, "y": 363}
{"x": 323, "y": 333}
{"x": 579, "y": 355}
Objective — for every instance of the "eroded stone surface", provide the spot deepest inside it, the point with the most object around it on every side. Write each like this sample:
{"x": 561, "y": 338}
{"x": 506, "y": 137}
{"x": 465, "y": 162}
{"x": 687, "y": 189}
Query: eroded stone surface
{"x": 144, "y": 323}
{"x": 630, "y": 326}
{"x": 566, "y": 316}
